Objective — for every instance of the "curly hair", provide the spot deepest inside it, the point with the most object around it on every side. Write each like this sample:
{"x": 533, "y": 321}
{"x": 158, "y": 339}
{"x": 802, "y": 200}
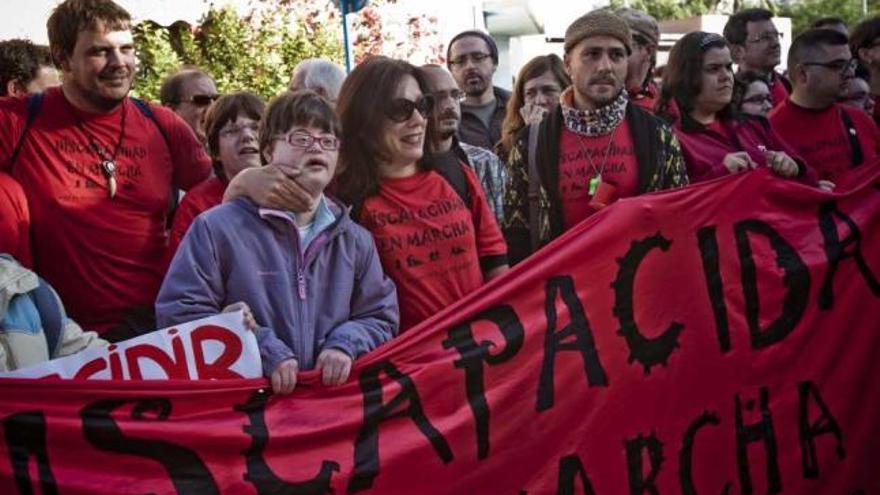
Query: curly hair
{"x": 20, "y": 61}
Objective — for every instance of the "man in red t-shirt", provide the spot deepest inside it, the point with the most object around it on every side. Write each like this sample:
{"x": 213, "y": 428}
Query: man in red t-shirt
{"x": 98, "y": 172}
{"x": 596, "y": 148}
{"x": 754, "y": 46}
{"x": 831, "y": 137}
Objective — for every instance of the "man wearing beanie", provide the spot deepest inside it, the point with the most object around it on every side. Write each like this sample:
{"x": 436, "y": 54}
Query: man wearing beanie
{"x": 472, "y": 58}
{"x": 593, "y": 150}
{"x": 639, "y": 76}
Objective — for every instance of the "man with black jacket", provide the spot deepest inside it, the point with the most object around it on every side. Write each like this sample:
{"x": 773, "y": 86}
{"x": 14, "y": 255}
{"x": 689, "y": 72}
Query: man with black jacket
{"x": 594, "y": 149}
{"x": 472, "y": 58}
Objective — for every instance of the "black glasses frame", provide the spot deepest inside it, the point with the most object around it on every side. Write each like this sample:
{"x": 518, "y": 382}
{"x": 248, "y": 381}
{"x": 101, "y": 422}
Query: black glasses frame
{"x": 401, "y": 110}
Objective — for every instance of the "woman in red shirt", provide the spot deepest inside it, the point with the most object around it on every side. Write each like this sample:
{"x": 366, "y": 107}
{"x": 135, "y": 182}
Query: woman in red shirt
{"x": 437, "y": 239}
{"x": 714, "y": 140}
{"x": 231, "y": 125}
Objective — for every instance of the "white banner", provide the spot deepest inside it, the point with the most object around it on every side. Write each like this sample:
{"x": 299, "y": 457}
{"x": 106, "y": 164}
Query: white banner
{"x": 214, "y": 347}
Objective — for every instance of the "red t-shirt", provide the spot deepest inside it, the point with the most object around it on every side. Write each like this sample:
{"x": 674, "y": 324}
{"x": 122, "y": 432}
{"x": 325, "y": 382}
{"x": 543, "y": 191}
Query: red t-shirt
{"x": 204, "y": 196}
{"x": 820, "y": 137}
{"x": 705, "y": 147}
{"x": 778, "y": 91}
{"x": 645, "y": 97}
{"x": 15, "y": 221}
{"x": 104, "y": 256}
{"x": 620, "y": 169}
{"x": 430, "y": 243}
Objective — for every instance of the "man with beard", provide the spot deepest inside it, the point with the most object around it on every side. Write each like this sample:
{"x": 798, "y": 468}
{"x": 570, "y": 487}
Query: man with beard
{"x": 448, "y": 151}
{"x": 98, "y": 168}
{"x": 472, "y": 57}
{"x": 593, "y": 149}
{"x": 832, "y": 138}
{"x": 754, "y": 46}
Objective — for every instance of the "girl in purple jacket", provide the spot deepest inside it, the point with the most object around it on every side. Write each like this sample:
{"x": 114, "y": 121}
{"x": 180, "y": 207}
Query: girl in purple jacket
{"x": 312, "y": 280}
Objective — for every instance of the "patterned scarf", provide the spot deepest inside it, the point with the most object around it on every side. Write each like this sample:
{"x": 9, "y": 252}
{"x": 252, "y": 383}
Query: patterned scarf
{"x": 590, "y": 123}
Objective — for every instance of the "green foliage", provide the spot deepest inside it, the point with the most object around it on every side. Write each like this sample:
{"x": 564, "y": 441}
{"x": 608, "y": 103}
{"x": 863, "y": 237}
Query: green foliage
{"x": 256, "y": 53}
{"x": 805, "y": 12}
{"x": 156, "y": 58}
{"x": 671, "y": 9}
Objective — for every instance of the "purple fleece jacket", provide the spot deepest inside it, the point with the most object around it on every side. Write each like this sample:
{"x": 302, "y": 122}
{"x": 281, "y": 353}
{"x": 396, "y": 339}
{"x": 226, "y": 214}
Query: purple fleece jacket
{"x": 333, "y": 295}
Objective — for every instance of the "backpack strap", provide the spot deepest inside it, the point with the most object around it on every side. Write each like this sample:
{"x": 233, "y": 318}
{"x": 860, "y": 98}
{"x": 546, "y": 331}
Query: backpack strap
{"x": 51, "y": 316}
{"x": 34, "y": 102}
{"x": 147, "y": 112}
{"x": 853, "y": 136}
{"x": 454, "y": 175}
{"x": 534, "y": 189}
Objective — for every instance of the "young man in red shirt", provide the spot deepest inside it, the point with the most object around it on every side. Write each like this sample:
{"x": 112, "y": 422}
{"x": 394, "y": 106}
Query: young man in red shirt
{"x": 754, "y": 46}
{"x": 595, "y": 148}
{"x": 831, "y": 137}
{"x": 98, "y": 171}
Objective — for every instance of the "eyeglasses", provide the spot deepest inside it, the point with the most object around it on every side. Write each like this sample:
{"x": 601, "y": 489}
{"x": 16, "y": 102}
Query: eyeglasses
{"x": 301, "y": 139}
{"x": 758, "y": 99}
{"x": 201, "y": 100}
{"x": 401, "y": 109}
{"x": 455, "y": 94}
{"x": 839, "y": 65}
{"x": 476, "y": 58}
{"x": 236, "y": 130}
{"x": 766, "y": 37}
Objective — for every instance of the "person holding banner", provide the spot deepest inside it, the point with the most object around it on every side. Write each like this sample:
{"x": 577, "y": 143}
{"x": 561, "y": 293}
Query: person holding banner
{"x": 312, "y": 279}
{"x": 833, "y": 138}
{"x": 715, "y": 142}
{"x": 436, "y": 234}
{"x": 594, "y": 149}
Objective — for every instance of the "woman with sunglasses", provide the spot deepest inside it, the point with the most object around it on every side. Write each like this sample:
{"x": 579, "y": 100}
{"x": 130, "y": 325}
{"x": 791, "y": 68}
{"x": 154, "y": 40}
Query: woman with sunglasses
{"x": 231, "y": 125}
{"x": 751, "y": 94}
{"x": 714, "y": 140}
{"x": 435, "y": 245}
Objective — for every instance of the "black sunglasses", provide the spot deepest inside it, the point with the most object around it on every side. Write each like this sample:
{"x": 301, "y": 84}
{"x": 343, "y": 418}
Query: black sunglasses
{"x": 401, "y": 109}
{"x": 202, "y": 100}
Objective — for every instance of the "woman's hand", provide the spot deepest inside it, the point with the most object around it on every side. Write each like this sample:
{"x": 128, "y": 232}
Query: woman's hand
{"x": 532, "y": 114}
{"x": 738, "y": 162}
{"x": 782, "y": 164}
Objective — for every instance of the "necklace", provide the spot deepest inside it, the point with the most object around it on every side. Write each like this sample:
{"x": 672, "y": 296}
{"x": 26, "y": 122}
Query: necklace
{"x": 596, "y": 179}
{"x": 108, "y": 160}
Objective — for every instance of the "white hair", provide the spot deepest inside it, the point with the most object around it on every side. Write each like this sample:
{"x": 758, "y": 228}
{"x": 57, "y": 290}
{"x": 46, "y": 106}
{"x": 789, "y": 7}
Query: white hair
{"x": 319, "y": 75}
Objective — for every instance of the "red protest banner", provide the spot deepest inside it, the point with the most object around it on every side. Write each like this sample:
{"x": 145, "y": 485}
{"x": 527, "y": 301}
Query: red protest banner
{"x": 716, "y": 339}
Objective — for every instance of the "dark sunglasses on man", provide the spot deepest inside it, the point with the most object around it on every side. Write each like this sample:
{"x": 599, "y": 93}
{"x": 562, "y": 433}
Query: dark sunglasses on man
{"x": 201, "y": 100}
{"x": 401, "y": 109}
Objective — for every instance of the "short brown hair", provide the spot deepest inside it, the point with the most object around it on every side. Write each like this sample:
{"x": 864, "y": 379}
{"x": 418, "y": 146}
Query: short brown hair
{"x": 172, "y": 86}
{"x": 227, "y": 109}
{"x": 73, "y": 16}
{"x": 302, "y": 108}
